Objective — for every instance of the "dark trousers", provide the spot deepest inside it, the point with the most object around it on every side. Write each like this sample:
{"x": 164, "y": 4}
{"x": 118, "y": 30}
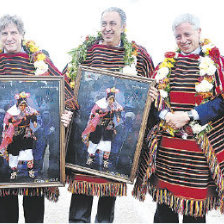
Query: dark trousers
{"x": 81, "y": 207}
{"x": 164, "y": 214}
{"x": 33, "y": 209}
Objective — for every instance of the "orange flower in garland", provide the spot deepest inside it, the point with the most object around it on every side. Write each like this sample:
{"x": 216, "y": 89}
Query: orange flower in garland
{"x": 37, "y": 56}
{"x": 32, "y": 46}
{"x": 40, "y": 57}
{"x": 134, "y": 49}
{"x": 205, "y": 42}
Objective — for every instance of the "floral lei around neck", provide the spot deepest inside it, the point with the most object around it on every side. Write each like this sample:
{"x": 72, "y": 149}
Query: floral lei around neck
{"x": 36, "y": 55}
{"x": 204, "y": 86}
{"x": 79, "y": 55}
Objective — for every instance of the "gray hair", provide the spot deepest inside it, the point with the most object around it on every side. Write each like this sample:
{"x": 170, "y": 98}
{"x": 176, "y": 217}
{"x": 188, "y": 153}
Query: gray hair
{"x": 186, "y": 18}
{"x": 7, "y": 19}
{"x": 119, "y": 11}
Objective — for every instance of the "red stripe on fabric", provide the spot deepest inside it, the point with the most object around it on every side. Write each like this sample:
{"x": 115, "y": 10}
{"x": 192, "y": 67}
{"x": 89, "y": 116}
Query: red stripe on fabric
{"x": 220, "y": 156}
{"x": 184, "y": 191}
{"x": 221, "y": 74}
{"x": 21, "y": 54}
{"x": 105, "y": 47}
{"x": 91, "y": 179}
{"x": 182, "y": 97}
{"x": 177, "y": 143}
{"x": 192, "y": 56}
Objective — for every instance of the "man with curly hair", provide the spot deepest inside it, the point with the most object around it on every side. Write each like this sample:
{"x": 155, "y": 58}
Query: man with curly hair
{"x": 17, "y": 58}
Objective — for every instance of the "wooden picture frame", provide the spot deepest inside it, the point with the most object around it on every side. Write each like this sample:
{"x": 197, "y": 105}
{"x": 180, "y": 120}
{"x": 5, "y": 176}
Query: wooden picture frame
{"x": 31, "y": 134}
{"x": 96, "y": 125}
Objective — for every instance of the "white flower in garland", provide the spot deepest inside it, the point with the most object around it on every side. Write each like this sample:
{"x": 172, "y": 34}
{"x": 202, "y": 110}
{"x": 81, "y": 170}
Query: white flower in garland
{"x": 162, "y": 74}
{"x": 163, "y": 93}
{"x": 41, "y": 67}
{"x": 197, "y": 128}
{"x": 207, "y": 47}
{"x": 131, "y": 69}
{"x": 203, "y": 86}
{"x": 207, "y": 66}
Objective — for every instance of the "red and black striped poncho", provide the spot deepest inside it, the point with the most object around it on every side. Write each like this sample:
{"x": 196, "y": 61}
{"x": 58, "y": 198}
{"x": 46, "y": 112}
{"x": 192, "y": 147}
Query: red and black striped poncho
{"x": 187, "y": 173}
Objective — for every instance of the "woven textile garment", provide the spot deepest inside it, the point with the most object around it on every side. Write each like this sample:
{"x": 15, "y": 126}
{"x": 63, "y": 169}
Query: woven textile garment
{"x": 111, "y": 58}
{"x": 188, "y": 175}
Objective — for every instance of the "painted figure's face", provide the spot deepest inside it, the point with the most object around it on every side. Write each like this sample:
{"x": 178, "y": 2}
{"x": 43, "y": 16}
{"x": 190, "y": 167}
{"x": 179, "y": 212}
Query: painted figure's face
{"x": 22, "y": 106}
{"x": 111, "y": 100}
{"x": 11, "y": 38}
{"x": 187, "y": 37}
{"x": 111, "y": 28}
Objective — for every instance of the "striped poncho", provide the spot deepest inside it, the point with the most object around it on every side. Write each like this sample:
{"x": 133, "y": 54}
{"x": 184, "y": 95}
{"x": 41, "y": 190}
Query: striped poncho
{"x": 21, "y": 64}
{"x": 111, "y": 58}
{"x": 185, "y": 174}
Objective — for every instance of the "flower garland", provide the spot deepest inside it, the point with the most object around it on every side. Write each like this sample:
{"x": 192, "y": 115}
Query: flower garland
{"x": 204, "y": 86}
{"x": 37, "y": 57}
{"x": 79, "y": 55}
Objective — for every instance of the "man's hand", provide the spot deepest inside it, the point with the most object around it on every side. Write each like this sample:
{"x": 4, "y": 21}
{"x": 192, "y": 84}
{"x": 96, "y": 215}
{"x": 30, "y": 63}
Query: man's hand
{"x": 66, "y": 118}
{"x": 153, "y": 92}
{"x": 177, "y": 119}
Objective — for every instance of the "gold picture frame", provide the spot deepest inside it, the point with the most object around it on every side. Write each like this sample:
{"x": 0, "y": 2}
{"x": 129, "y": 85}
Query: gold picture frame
{"x": 22, "y": 141}
{"x": 122, "y": 138}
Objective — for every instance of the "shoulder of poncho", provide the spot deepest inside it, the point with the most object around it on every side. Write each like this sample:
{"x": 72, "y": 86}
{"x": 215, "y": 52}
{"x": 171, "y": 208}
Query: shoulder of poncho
{"x": 142, "y": 50}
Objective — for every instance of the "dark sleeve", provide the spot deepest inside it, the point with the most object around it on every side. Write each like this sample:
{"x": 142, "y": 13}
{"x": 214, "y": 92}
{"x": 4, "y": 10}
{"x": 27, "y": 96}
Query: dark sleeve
{"x": 118, "y": 114}
{"x": 153, "y": 118}
{"x": 33, "y": 118}
{"x": 211, "y": 110}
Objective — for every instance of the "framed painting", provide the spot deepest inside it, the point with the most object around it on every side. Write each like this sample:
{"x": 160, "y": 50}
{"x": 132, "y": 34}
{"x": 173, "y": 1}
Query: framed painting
{"x": 31, "y": 134}
{"x": 108, "y": 130}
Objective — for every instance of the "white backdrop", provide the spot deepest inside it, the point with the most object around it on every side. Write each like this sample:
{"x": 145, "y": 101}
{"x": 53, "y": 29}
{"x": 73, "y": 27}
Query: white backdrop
{"x": 59, "y": 25}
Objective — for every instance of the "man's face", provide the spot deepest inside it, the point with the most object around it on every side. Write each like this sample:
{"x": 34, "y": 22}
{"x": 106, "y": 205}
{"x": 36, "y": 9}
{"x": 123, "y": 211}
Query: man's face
{"x": 111, "y": 28}
{"x": 187, "y": 38}
{"x": 11, "y": 39}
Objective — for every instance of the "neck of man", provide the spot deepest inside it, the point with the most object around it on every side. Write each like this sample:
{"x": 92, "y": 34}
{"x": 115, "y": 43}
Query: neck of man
{"x": 18, "y": 51}
{"x": 196, "y": 51}
{"x": 117, "y": 44}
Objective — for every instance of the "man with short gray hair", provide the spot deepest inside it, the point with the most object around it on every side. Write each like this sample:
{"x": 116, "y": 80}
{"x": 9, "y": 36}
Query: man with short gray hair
{"x": 183, "y": 167}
